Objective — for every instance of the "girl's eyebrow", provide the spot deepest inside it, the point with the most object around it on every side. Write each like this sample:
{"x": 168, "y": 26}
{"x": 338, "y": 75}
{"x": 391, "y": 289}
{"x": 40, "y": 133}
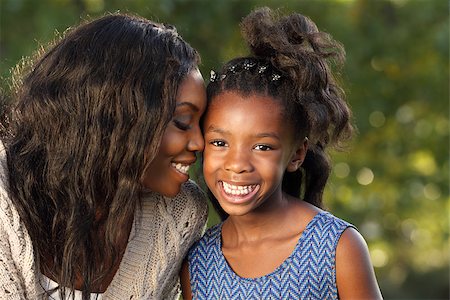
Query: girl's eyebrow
{"x": 268, "y": 134}
{"x": 191, "y": 105}
{"x": 212, "y": 128}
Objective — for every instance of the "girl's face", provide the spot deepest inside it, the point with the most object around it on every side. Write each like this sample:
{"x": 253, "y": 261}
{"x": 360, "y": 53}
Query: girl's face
{"x": 248, "y": 147}
{"x": 181, "y": 139}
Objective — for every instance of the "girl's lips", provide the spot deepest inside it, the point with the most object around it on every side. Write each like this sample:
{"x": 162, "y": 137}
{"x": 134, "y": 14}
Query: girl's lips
{"x": 238, "y": 194}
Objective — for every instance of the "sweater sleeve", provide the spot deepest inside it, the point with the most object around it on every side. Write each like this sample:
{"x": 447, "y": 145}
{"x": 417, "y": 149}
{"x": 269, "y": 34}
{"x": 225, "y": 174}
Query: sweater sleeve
{"x": 194, "y": 225}
{"x": 190, "y": 209}
{"x": 16, "y": 255}
{"x": 17, "y": 264}
{"x": 11, "y": 285}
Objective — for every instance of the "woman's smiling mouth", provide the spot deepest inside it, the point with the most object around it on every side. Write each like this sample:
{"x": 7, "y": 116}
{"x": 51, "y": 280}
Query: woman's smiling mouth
{"x": 183, "y": 169}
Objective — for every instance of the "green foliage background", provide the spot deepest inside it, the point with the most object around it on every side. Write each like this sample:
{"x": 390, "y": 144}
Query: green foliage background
{"x": 393, "y": 182}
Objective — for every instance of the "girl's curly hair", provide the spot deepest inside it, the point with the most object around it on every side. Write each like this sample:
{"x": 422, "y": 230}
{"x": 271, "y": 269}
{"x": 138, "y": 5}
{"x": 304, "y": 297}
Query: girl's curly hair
{"x": 292, "y": 61}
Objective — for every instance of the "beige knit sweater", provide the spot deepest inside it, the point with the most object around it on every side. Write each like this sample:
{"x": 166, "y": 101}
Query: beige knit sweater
{"x": 161, "y": 235}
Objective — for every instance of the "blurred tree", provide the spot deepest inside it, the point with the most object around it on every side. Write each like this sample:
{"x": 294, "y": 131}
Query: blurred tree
{"x": 393, "y": 182}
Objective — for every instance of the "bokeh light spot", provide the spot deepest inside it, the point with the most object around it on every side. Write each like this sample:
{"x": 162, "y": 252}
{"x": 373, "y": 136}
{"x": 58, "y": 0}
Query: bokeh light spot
{"x": 423, "y": 162}
{"x": 377, "y": 119}
{"x": 365, "y": 176}
{"x": 341, "y": 170}
{"x": 379, "y": 257}
{"x": 405, "y": 114}
{"x": 432, "y": 191}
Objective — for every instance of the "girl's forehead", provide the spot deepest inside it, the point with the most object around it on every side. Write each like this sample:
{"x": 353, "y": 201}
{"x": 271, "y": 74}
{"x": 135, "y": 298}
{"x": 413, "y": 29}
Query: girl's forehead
{"x": 238, "y": 98}
{"x": 246, "y": 108}
{"x": 242, "y": 119}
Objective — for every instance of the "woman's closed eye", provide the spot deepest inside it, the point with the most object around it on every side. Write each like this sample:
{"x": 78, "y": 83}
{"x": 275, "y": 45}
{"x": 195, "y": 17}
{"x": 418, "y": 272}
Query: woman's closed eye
{"x": 180, "y": 125}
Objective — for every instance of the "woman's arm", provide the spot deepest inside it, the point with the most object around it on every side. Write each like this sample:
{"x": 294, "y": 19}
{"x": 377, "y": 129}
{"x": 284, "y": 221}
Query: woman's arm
{"x": 355, "y": 276}
{"x": 185, "y": 281}
{"x": 12, "y": 285}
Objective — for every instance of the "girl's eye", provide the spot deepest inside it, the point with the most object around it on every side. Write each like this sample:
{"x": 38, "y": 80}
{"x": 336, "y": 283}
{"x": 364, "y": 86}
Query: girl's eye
{"x": 218, "y": 143}
{"x": 263, "y": 148}
{"x": 181, "y": 125}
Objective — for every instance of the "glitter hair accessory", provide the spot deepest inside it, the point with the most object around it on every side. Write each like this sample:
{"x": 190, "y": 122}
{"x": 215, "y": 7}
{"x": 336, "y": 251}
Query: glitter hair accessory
{"x": 246, "y": 65}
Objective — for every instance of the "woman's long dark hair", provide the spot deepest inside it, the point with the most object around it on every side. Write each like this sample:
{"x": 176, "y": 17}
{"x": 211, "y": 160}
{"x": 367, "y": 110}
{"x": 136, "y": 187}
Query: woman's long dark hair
{"x": 290, "y": 61}
{"x": 87, "y": 120}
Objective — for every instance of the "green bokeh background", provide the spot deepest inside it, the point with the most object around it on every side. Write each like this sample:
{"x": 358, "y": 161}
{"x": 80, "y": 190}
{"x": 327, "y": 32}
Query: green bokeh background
{"x": 393, "y": 182}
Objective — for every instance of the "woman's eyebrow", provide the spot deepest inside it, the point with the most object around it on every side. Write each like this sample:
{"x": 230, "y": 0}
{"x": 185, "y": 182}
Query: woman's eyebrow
{"x": 191, "y": 105}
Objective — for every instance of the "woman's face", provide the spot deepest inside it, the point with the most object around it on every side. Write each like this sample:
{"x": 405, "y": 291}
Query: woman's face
{"x": 181, "y": 139}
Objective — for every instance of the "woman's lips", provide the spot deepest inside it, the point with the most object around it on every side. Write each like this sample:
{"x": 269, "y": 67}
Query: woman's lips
{"x": 182, "y": 168}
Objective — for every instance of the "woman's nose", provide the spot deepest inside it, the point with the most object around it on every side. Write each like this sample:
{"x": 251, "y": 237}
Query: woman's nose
{"x": 196, "y": 142}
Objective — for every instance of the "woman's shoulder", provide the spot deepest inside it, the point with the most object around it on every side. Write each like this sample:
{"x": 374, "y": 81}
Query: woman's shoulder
{"x": 3, "y": 168}
{"x": 191, "y": 198}
{"x": 16, "y": 249}
{"x": 8, "y": 212}
{"x": 192, "y": 189}
{"x": 189, "y": 209}
{"x": 10, "y": 221}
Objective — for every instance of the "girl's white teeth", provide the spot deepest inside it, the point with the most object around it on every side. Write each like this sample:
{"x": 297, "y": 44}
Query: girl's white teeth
{"x": 181, "y": 168}
{"x": 239, "y": 190}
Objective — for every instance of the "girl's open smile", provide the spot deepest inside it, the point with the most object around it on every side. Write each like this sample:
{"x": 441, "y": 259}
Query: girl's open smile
{"x": 238, "y": 194}
{"x": 247, "y": 150}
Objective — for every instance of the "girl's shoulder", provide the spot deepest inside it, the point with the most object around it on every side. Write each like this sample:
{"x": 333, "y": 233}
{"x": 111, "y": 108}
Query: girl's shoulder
{"x": 326, "y": 226}
{"x": 211, "y": 239}
{"x": 308, "y": 216}
{"x": 326, "y": 217}
{"x": 318, "y": 224}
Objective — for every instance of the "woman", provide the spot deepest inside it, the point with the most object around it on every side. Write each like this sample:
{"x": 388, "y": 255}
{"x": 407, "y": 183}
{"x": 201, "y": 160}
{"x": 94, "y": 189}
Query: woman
{"x": 95, "y": 198}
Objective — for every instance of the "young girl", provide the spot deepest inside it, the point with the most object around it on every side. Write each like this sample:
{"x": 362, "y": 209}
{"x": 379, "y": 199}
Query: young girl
{"x": 95, "y": 200}
{"x": 270, "y": 117}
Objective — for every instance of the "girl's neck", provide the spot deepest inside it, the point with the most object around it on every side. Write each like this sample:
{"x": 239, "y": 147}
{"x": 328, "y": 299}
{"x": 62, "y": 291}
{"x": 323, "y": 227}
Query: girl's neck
{"x": 263, "y": 222}
{"x": 289, "y": 219}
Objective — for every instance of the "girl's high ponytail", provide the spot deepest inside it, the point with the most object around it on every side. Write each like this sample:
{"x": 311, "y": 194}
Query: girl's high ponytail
{"x": 294, "y": 63}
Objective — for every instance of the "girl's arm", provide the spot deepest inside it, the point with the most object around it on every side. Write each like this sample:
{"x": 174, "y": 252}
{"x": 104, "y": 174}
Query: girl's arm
{"x": 355, "y": 276}
{"x": 185, "y": 281}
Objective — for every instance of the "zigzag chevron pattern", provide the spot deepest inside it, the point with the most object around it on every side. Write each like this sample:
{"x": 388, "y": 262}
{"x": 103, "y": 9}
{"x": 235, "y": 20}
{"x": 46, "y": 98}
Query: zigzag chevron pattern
{"x": 308, "y": 273}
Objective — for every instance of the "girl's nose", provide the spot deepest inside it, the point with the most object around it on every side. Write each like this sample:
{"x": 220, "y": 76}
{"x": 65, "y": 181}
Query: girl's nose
{"x": 238, "y": 161}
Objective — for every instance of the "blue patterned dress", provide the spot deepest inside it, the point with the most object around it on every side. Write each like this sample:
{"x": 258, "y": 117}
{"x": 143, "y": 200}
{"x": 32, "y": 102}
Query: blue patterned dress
{"x": 308, "y": 273}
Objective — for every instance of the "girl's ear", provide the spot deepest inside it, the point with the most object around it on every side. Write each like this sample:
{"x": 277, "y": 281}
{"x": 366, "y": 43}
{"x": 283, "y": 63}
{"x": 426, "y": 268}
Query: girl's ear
{"x": 298, "y": 156}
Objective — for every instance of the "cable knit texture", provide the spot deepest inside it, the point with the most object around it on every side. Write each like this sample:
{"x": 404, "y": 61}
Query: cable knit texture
{"x": 162, "y": 232}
